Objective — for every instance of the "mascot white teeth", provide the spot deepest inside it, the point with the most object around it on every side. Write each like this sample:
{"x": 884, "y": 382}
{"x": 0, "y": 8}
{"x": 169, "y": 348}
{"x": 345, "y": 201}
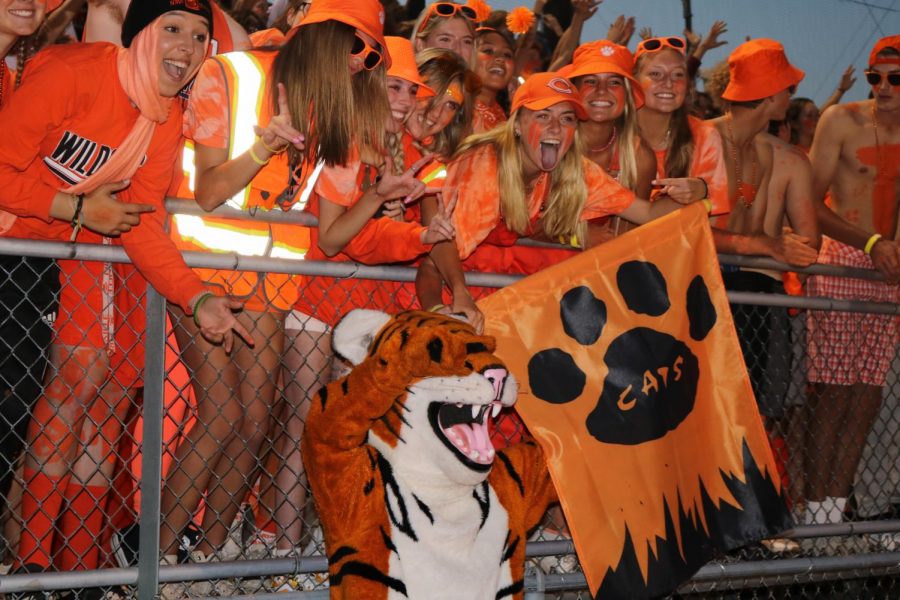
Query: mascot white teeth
{"x": 414, "y": 501}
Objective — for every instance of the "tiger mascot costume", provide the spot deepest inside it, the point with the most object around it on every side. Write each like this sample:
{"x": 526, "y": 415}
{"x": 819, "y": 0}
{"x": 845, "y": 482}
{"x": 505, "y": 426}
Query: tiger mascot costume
{"x": 402, "y": 469}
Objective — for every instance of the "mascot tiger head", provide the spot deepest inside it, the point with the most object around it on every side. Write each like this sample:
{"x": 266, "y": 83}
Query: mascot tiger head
{"x": 446, "y": 382}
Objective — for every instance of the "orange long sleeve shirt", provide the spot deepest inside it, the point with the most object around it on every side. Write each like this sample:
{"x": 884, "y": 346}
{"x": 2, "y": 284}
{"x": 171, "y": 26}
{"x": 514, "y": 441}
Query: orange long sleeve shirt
{"x": 66, "y": 119}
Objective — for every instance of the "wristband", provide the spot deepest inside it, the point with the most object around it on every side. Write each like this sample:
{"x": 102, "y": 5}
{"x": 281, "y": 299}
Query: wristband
{"x": 871, "y": 243}
{"x": 203, "y": 298}
{"x": 255, "y": 158}
{"x": 270, "y": 149}
{"x": 573, "y": 241}
{"x": 437, "y": 307}
{"x": 77, "y": 218}
{"x": 705, "y": 188}
{"x": 708, "y": 204}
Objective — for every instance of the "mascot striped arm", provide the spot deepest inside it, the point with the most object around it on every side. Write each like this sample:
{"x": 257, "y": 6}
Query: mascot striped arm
{"x": 414, "y": 501}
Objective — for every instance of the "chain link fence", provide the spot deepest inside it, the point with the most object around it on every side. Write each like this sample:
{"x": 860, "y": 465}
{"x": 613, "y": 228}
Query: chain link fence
{"x": 97, "y": 375}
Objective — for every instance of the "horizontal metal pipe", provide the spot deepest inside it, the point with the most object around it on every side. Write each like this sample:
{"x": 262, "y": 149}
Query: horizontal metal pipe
{"x": 812, "y": 302}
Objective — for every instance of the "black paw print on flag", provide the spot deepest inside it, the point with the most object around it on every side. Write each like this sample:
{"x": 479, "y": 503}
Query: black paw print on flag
{"x": 651, "y": 384}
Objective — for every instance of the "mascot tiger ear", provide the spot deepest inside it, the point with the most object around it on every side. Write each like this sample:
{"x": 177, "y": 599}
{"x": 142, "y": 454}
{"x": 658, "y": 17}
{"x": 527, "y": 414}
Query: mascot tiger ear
{"x": 355, "y": 332}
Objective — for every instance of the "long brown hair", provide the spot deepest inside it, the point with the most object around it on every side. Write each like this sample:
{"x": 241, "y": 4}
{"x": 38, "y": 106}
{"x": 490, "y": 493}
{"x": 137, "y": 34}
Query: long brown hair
{"x": 328, "y": 106}
{"x": 680, "y": 152}
{"x": 441, "y": 68}
{"x": 568, "y": 192}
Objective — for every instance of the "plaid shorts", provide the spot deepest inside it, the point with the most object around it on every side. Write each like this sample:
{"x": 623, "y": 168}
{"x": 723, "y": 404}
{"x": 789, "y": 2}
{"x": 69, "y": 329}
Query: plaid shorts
{"x": 847, "y": 348}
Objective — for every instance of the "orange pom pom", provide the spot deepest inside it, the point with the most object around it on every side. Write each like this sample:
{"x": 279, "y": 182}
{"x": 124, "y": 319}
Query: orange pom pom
{"x": 481, "y": 8}
{"x": 519, "y": 20}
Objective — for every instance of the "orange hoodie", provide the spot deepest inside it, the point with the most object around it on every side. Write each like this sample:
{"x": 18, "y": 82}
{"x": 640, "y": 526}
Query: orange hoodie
{"x": 69, "y": 115}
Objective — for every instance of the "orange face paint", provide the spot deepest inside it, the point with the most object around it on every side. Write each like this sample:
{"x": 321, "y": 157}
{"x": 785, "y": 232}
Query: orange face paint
{"x": 886, "y": 160}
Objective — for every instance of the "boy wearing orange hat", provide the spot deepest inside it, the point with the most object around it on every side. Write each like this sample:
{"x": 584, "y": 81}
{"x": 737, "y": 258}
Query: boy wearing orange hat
{"x": 768, "y": 181}
{"x": 856, "y": 156}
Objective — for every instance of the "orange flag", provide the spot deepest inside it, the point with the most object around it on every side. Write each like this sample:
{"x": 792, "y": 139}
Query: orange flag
{"x": 632, "y": 380}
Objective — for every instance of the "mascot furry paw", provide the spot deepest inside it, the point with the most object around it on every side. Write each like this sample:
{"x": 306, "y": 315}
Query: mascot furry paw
{"x": 414, "y": 501}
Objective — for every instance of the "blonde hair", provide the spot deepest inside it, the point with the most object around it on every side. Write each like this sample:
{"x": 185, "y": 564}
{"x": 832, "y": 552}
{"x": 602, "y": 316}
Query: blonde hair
{"x": 419, "y": 32}
{"x": 441, "y": 68}
{"x": 561, "y": 218}
{"x": 329, "y": 107}
{"x": 681, "y": 141}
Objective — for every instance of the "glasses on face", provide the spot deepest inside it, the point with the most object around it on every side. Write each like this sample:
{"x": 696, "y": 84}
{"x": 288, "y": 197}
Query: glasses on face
{"x": 654, "y": 44}
{"x": 370, "y": 56}
{"x": 448, "y": 9}
{"x": 875, "y": 77}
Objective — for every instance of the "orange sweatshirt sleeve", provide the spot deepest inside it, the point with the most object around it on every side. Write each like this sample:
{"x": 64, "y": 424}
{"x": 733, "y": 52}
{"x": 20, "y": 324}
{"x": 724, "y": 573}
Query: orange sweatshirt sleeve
{"x": 385, "y": 240}
{"x": 148, "y": 245}
{"x": 473, "y": 179}
{"x": 46, "y": 98}
{"x": 606, "y": 196}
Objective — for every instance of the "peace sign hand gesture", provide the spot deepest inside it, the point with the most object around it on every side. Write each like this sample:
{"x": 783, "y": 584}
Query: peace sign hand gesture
{"x": 441, "y": 226}
{"x": 405, "y": 185}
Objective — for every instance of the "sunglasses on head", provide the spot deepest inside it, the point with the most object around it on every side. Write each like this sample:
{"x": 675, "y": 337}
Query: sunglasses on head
{"x": 874, "y": 78}
{"x": 654, "y": 44}
{"x": 449, "y": 9}
{"x": 370, "y": 56}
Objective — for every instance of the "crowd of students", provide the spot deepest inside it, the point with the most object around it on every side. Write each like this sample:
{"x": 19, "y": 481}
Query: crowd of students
{"x": 438, "y": 149}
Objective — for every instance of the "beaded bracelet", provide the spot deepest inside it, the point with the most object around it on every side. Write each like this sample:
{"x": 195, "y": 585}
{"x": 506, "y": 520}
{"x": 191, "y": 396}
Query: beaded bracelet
{"x": 203, "y": 298}
{"x": 871, "y": 243}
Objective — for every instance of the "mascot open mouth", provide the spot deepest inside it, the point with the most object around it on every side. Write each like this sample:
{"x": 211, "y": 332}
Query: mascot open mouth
{"x": 463, "y": 429}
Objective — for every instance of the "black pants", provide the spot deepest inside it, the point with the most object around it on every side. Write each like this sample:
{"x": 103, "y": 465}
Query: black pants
{"x": 29, "y": 298}
{"x": 765, "y": 336}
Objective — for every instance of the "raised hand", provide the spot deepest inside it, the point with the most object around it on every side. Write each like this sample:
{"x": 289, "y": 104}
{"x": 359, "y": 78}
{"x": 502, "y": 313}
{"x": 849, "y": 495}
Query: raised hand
{"x": 441, "y": 226}
{"x": 712, "y": 38}
{"x": 646, "y": 33}
{"x": 621, "y": 30}
{"x": 404, "y": 186}
{"x": 847, "y": 79}
{"x": 102, "y": 213}
{"x": 280, "y": 133}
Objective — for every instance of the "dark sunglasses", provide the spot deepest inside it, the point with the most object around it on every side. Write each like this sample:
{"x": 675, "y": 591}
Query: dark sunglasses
{"x": 371, "y": 57}
{"x": 654, "y": 44}
{"x": 874, "y": 78}
{"x": 449, "y": 9}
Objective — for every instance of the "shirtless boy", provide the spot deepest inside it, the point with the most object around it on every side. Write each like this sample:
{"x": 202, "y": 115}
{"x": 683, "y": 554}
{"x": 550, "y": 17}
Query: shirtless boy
{"x": 768, "y": 181}
{"x": 855, "y": 154}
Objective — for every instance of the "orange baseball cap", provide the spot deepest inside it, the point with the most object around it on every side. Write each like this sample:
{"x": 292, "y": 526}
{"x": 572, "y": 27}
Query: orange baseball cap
{"x": 404, "y": 64}
{"x": 543, "y": 90}
{"x": 758, "y": 69}
{"x": 891, "y": 41}
{"x": 604, "y": 56}
{"x": 365, "y": 15}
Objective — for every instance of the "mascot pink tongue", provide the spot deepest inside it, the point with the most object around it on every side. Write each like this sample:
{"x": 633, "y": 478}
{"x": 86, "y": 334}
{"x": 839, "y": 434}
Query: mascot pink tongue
{"x": 473, "y": 440}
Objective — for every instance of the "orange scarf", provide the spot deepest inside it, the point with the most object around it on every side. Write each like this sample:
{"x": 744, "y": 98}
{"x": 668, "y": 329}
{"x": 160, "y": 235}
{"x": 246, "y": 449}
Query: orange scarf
{"x": 138, "y": 68}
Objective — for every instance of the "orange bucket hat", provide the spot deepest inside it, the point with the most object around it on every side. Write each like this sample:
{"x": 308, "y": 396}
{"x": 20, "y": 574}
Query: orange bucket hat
{"x": 403, "y": 64}
{"x": 604, "y": 56}
{"x": 758, "y": 69}
{"x": 365, "y": 15}
{"x": 543, "y": 90}
{"x": 891, "y": 41}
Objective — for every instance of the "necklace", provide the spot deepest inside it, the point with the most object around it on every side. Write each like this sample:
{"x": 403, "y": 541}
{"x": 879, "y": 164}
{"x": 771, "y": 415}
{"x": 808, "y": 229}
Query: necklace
{"x": 608, "y": 144}
{"x": 745, "y": 192}
{"x": 3, "y": 70}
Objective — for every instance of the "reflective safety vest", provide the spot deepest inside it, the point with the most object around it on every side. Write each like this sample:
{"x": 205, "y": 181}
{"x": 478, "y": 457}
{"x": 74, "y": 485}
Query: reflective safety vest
{"x": 245, "y": 75}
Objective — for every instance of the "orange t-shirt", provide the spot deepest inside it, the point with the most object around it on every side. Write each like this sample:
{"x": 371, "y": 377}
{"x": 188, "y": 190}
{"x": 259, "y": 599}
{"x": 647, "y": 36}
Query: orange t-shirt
{"x": 708, "y": 162}
{"x": 473, "y": 177}
{"x": 67, "y": 118}
{"x": 381, "y": 240}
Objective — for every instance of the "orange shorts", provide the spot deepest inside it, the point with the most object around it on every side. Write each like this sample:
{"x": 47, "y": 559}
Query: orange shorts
{"x": 101, "y": 305}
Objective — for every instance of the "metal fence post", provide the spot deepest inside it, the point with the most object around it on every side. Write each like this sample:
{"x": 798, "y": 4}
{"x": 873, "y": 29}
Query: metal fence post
{"x": 151, "y": 475}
